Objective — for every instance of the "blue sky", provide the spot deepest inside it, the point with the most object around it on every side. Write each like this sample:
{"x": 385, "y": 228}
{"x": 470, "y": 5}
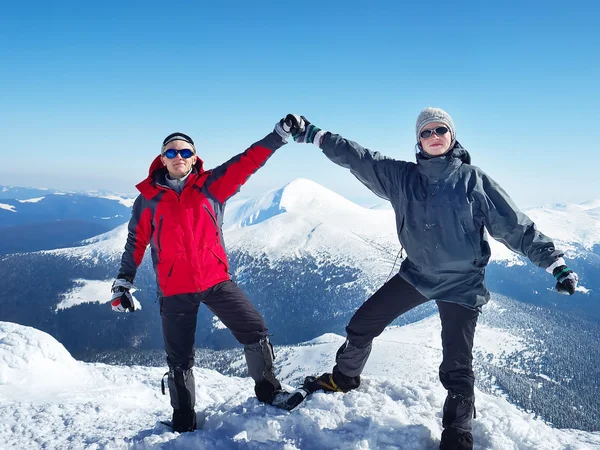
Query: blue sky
{"x": 90, "y": 89}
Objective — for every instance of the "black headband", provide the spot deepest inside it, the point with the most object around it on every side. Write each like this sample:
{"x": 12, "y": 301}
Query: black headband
{"x": 178, "y": 137}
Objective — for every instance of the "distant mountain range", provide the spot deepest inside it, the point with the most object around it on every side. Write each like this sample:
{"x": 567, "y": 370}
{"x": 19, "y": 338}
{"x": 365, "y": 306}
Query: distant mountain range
{"x": 40, "y": 219}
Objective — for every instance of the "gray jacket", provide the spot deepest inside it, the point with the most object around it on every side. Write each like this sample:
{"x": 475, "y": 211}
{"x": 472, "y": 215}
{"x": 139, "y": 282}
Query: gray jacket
{"x": 442, "y": 206}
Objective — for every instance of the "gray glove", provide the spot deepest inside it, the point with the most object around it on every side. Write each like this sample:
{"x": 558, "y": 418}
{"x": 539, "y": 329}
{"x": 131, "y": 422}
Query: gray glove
{"x": 290, "y": 125}
{"x": 308, "y": 133}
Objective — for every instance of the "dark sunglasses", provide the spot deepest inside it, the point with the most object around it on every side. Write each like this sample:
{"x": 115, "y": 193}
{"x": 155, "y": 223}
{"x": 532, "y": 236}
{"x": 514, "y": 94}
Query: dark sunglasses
{"x": 185, "y": 153}
{"x": 439, "y": 131}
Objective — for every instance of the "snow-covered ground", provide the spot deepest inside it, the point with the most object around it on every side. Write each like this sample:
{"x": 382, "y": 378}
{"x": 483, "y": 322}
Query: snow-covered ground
{"x": 49, "y": 400}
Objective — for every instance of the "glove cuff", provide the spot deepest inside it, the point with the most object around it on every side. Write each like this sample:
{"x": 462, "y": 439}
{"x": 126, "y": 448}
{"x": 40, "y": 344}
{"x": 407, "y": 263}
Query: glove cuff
{"x": 561, "y": 273}
{"x": 319, "y": 138}
{"x": 559, "y": 262}
{"x": 281, "y": 132}
{"x": 121, "y": 283}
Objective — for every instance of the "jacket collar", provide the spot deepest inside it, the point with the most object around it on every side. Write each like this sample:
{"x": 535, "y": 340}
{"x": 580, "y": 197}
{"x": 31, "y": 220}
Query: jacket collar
{"x": 155, "y": 181}
{"x": 440, "y": 167}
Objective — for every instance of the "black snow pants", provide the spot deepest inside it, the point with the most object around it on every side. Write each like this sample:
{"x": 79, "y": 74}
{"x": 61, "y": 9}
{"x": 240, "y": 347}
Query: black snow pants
{"x": 393, "y": 299}
{"x": 231, "y": 305}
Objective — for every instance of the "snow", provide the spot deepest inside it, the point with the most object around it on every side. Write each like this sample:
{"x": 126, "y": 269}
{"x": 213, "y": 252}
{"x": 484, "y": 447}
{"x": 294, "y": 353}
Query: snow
{"x": 10, "y": 208}
{"x": 89, "y": 291}
{"x": 570, "y": 225}
{"x": 106, "y": 245}
{"x": 122, "y": 200}
{"x": 50, "y": 400}
{"x": 32, "y": 200}
{"x": 217, "y": 324}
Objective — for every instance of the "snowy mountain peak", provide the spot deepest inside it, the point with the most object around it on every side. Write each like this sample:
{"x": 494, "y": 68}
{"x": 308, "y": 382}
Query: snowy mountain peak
{"x": 299, "y": 196}
{"x": 306, "y": 195}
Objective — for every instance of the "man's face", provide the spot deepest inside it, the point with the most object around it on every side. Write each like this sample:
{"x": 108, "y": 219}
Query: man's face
{"x": 179, "y": 167}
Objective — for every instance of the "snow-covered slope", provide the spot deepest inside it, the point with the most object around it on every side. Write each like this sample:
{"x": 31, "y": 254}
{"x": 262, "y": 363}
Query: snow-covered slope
{"x": 304, "y": 217}
{"x": 572, "y": 226}
{"x": 49, "y": 400}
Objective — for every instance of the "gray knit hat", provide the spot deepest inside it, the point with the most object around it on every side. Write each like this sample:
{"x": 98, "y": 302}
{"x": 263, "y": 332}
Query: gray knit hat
{"x": 430, "y": 115}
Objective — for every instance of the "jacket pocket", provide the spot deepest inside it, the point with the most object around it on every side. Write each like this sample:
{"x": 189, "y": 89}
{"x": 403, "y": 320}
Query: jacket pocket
{"x": 159, "y": 234}
{"x": 469, "y": 238}
{"x": 221, "y": 259}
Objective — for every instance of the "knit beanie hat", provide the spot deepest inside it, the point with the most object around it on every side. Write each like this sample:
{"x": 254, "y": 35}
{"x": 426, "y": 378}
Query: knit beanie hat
{"x": 176, "y": 137}
{"x": 430, "y": 115}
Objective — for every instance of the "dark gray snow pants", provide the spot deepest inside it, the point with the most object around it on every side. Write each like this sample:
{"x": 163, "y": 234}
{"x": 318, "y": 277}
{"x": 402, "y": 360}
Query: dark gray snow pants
{"x": 231, "y": 305}
{"x": 393, "y": 299}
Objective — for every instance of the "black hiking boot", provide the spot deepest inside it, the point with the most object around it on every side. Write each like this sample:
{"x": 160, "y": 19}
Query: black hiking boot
{"x": 453, "y": 439}
{"x": 266, "y": 392}
{"x": 184, "y": 420}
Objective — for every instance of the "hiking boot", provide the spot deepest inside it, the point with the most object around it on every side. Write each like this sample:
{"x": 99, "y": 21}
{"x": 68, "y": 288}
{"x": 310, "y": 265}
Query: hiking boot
{"x": 265, "y": 391}
{"x": 331, "y": 382}
{"x": 184, "y": 420}
{"x": 453, "y": 439}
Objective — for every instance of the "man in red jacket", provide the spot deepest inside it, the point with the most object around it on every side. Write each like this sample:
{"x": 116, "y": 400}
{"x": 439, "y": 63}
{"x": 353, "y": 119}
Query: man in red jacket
{"x": 179, "y": 212}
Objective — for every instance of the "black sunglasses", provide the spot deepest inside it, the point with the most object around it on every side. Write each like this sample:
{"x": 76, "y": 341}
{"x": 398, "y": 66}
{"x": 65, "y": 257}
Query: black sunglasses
{"x": 439, "y": 131}
{"x": 185, "y": 153}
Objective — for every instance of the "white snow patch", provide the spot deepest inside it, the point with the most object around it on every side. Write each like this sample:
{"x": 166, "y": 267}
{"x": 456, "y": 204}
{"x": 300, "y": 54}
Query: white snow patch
{"x": 217, "y": 324}
{"x": 32, "y": 200}
{"x": 10, "y": 208}
{"x": 89, "y": 291}
{"x": 122, "y": 200}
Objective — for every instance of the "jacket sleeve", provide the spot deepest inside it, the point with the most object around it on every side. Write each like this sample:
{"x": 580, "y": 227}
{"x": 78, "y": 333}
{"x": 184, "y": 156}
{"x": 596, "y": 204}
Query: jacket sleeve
{"x": 507, "y": 224}
{"x": 138, "y": 237}
{"x": 227, "y": 179}
{"x": 379, "y": 173}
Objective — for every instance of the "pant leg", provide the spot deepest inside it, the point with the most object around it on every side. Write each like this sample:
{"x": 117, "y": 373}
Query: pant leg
{"x": 179, "y": 315}
{"x": 456, "y": 370}
{"x": 393, "y": 299}
{"x": 233, "y": 307}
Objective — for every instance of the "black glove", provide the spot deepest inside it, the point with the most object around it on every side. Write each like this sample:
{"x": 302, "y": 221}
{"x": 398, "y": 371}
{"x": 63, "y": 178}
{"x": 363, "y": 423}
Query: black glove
{"x": 566, "y": 280}
{"x": 289, "y": 125}
{"x": 122, "y": 300}
{"x": 308, "y": 133}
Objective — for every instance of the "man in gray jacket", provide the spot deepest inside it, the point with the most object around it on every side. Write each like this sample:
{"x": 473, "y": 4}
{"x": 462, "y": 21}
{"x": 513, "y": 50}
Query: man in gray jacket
{"x": 443, "y": 204}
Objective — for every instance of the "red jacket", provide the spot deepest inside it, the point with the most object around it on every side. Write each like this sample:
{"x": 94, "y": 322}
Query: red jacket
{"x": 184, "y": 230}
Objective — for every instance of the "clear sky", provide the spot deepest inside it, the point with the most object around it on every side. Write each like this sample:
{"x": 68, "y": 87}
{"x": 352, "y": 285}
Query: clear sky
{"x": 90, "y": 89}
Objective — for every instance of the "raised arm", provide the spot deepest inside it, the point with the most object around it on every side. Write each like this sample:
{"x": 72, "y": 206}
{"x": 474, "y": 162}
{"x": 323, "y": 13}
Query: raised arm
{"x": 227, "y": 179}
{"x": 380, "y": 174}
